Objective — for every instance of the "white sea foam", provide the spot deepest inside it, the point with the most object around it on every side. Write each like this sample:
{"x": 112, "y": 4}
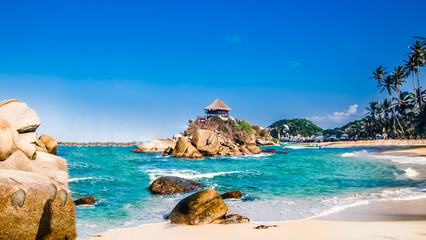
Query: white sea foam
{"x": 340, "y": 208}
{"x": 402, "y": 159}
{"x": 80, "y": 179}
{"x": 188, "y": 174}
{"x": 354, "y": 154}
{"x": 411, "y": 173}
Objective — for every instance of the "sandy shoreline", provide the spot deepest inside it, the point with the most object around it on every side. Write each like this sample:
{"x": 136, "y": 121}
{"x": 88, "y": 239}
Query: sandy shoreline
{"x": 391, "y": 147}
{"x": 377, "y": 220}
{"x": 391, "y": 219}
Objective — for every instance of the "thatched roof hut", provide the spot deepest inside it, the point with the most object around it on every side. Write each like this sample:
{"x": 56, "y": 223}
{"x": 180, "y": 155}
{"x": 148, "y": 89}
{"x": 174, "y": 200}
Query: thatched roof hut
{"x": 217, "y": 108}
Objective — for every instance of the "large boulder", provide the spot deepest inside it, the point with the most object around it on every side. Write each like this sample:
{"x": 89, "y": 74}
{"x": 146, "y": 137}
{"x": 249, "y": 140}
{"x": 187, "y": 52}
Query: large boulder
{"x": 199, "y": 208}
{"x": 19, "y": 115}
{"x": 8, "y": 137}
{"x": 223, "y": 150}
{"x": 169, "y": 185}
{"x": 50, "y": 143}
{"x": 184, "y": 149}
{"x": 253, "y": 149}
{"x": 206, "y": 142}
{"x": 244, "y": 150}
{"x": 33, "y": 206}
{"x": 155, "y": 146}
{"x": 17, "y": 161}
{"x": 28, "y": 148}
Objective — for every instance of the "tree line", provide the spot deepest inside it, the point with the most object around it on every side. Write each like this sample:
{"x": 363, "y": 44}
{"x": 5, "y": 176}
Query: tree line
{"x": 402, "y": 114}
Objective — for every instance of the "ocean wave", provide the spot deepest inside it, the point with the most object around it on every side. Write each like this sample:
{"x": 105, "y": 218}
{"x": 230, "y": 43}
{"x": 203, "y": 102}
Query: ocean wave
{"x": 354, "y": 154}
{"x": 401, "y": 159}
{"x": 411, "y": 173}
{"x": 188, "y": 174}
{"x": 80, "y": 179}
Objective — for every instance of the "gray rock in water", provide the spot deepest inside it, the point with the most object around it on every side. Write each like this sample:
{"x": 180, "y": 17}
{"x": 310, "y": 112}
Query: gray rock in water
{"x": 169, "y": 185}
{"x": 232, "y": 194}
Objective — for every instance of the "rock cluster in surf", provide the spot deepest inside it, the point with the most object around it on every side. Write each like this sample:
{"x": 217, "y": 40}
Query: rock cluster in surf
{"x": 35, "y": 201}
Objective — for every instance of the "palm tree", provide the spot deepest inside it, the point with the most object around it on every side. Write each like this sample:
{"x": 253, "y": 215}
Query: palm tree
{"x": 378, "y": 76}
{"x": 397, "y": 76}
{"x": 386, "y": 106}
{"x": 411, "y": 68}
{"x": 372, "y": 109}
{"x": 417, "y": 55}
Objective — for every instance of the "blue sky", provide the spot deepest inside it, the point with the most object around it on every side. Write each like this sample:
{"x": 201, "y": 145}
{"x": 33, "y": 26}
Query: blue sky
{"x": 138, "y": 70}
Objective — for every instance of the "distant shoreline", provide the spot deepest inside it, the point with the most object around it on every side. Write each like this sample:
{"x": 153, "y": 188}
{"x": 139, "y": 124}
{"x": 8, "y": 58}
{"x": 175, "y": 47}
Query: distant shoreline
{"x": 98, "y": 144}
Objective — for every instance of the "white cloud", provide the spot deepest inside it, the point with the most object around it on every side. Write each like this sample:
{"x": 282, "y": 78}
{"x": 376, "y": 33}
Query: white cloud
{"x": 337, "y": 117}
{"x": 235, "y": 38}
{"x": 293, "y": 63}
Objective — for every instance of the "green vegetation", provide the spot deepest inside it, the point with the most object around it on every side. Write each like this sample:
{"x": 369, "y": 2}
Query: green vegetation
{"x": 402, "y": 114}
{"x": 296, "y": 126}
{"x": 274, "y": 140}
{"x": 244, "y": 126}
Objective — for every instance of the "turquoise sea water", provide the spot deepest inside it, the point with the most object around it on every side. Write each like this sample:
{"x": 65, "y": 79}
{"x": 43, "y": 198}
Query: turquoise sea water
{"x": 304, "y": 183}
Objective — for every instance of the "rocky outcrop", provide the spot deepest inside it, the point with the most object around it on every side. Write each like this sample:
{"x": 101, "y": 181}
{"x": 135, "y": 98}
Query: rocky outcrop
{"x": 50, "y": 144}
{"x": 199, "y": 208}
{"x": 85, "y": 201}
{"x": 253, "y": 149}
{"x": 168, "y": 151}
{"x": 35, "y": 202}
{"x": 206, "y": 142}
{"x": 265, "y": 142}
{"x": 169, "y": 185}
{"x": 8, "y": 137}
{"x": 272, "y": 151}
{"x": 17, "y": 113}
{"x": 155, "y": 146}
{"x": 34, "y": 206}
{"x": 184, "y": 149}
{"x": 232, "y": 194}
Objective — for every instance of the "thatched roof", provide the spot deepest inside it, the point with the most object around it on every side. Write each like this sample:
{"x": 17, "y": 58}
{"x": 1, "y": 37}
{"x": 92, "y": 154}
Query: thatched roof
{"x": 218, "y": 105}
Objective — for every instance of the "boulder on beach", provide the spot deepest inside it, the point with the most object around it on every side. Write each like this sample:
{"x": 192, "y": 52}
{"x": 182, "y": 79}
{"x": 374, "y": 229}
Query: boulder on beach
{"x": 184, "y": 149}
{"x": 85, "y": 200}
{"x": 233, "y": 219}
{"x": 33, "y": 206}
{"x": 199, "y": 208}
{"x": 28, "y": 148}
{"x": 17, "y": 161}
{"x": 19, "y": 115}
{"x": 50, "y": 143}
{"x": 169, "y": 185}
{"x": 206, "y": 142}
{"x": 155, "y": 146}
{"x": 35, "y": 202}
{"x": 232, "y": 194}
{"x": 8, "y": 137}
